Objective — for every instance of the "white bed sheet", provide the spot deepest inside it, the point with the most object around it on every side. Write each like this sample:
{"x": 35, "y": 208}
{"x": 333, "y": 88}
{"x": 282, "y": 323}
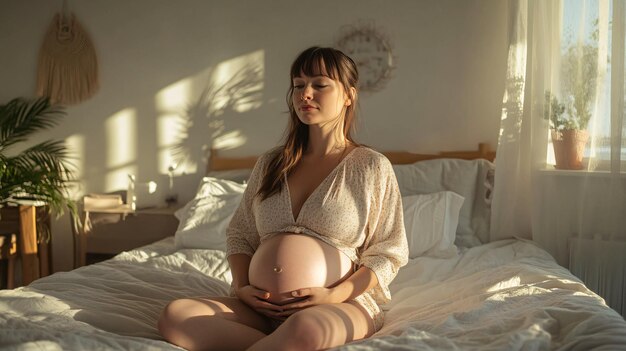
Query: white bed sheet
{"x": 110, "y": 305}
{"x": 506, "y": 295}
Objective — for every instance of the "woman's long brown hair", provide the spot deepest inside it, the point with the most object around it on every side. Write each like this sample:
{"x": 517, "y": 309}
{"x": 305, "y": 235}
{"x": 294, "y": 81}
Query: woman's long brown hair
{"x": 311, "y": 62}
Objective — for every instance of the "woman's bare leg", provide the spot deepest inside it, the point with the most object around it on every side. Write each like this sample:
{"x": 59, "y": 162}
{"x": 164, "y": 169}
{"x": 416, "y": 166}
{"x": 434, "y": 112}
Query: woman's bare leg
{"x": 217, "y": 323}
{"x": 319, "y": 327}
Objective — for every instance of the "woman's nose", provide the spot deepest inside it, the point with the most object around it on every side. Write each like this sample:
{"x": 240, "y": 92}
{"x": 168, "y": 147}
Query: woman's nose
{"x": 307, "y": 93}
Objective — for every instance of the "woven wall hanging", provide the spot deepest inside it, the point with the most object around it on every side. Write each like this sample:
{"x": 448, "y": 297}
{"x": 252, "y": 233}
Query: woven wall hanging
{"x": 68, "y": 68}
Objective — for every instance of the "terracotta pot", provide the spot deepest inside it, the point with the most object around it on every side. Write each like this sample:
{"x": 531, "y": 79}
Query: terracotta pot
{"x": 569, "y": 147}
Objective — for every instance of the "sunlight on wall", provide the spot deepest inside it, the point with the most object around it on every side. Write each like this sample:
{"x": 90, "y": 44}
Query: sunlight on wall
{"x": 229, "y": 140}
{"x": 76, "y": 145}
{"x": 230, "y": 70}
{"x": 174, "y": 97}
{"x": 169, "y": 130}
{"x": 190, "y": 112}
{"x": 169, "y": 126}
{"x": 121, "y": 134}
{"x": 118, "y": 179}
{"x": 121, "y": 138}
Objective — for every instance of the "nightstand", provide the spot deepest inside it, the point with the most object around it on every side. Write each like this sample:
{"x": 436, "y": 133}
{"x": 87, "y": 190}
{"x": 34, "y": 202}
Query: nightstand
{"x": 107, "y": 232}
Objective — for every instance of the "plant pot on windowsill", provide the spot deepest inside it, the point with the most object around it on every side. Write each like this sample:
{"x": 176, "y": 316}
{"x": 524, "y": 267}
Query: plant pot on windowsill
{"x": 569, "y": 148}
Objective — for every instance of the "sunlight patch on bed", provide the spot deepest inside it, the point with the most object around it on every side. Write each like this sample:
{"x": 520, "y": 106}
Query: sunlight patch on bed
{"x": 506, "y": 284}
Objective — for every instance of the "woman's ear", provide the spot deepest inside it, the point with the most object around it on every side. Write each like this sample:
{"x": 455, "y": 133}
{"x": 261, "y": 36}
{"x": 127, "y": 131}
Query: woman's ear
{"x": 351, "y": 96}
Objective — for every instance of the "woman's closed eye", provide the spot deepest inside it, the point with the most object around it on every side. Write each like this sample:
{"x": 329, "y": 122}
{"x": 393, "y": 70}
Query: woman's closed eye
{"x": 316, "y": 86}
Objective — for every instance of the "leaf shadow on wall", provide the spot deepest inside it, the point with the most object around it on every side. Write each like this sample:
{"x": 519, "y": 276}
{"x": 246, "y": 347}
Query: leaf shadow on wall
{"x": 201, "y": 126}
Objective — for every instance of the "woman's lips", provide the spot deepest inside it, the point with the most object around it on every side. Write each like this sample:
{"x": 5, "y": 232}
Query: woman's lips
{"x": 307, "y": 108}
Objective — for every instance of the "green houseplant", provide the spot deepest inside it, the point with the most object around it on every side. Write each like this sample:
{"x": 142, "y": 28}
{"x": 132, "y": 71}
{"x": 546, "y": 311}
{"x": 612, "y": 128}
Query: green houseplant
{"x": 568, "y": 132}
{"x": 39, "y": 173}
{"x": 569, "y": 117}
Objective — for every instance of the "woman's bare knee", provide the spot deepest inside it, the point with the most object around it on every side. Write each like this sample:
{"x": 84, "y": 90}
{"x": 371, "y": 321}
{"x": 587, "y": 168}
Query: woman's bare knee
{"x": 201, "y": 323}
{"x": 171, "y": 323}
{"x": 306, "y": 331}
{"x": 322, "y": 327}
{"x": 171, "y": 317}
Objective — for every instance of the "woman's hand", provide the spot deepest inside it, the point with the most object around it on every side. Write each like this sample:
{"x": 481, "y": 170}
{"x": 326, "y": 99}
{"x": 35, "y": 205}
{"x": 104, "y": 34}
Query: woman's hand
{"x": 257, "y": 300}
{"x": 310, "y": 297}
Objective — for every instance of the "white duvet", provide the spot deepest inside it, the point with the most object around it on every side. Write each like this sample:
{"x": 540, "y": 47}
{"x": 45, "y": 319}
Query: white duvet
{"x": 506, "y": 295}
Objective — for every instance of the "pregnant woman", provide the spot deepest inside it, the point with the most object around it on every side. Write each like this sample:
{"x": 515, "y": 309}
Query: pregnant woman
{"x": 317, "y": 238}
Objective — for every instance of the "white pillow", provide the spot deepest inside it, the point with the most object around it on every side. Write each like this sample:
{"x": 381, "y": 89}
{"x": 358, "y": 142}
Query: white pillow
{"x": 468, "y": 178}
{"x": 203, "y": 221}
{"x": 431, "y": 221}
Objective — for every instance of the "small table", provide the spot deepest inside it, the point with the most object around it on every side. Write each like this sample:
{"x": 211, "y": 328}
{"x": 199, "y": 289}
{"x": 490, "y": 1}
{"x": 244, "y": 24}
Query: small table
{"x": 111, "y": 231}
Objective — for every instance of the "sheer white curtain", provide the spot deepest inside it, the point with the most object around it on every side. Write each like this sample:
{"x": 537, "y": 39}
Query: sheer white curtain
{"x": 565, "y": 64}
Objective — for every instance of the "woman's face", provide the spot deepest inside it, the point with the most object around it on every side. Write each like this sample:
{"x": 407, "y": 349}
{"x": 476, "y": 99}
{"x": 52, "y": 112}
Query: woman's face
{"x": 318, "y": 99}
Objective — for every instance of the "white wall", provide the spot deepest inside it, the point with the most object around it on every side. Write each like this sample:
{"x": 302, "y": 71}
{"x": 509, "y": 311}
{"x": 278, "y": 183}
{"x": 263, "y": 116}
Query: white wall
{"x": 156, "y": 55}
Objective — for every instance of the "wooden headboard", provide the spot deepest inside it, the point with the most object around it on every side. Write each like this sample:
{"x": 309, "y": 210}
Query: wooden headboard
{"x": 218, "y": 163}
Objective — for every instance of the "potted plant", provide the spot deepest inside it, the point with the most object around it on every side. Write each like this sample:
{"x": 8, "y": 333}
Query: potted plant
{"x": 568, "y": 132}
{"x": 570, "y": 117}
{"x": 37, "y": 174}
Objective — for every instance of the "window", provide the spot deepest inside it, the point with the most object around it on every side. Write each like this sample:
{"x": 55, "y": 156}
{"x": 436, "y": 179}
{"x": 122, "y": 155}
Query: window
{"x": 591, "y": 88}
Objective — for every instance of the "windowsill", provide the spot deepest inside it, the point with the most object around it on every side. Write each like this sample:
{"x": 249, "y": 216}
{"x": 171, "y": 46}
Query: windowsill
{"x": 581, "y": 173}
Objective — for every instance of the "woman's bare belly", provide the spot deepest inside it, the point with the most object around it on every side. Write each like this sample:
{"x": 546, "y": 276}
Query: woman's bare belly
{"x": 288, "y": 261}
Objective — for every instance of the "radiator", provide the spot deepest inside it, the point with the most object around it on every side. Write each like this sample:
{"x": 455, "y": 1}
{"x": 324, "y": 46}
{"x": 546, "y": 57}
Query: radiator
{"x": 601, "y": 265}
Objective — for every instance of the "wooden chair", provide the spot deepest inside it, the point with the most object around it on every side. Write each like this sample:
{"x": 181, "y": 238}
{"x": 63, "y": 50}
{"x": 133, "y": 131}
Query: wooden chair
{"x": 8, "y": 254}
{"x": 34, "y": 256}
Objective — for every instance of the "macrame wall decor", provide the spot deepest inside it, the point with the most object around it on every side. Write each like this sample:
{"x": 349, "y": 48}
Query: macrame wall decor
{"x": 68, "y": 68}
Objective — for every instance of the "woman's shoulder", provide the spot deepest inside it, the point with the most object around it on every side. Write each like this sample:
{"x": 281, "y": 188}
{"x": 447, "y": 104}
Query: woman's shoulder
{"x": 366, "y": 156}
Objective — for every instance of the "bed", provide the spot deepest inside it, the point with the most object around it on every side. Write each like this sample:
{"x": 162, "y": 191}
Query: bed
{"x": 458, "y": 291}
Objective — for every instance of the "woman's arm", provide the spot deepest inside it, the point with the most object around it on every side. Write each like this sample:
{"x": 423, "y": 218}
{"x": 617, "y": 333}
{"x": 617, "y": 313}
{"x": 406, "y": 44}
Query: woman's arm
{"x": 239, "y": 264}
{"x": 361, "y": 281}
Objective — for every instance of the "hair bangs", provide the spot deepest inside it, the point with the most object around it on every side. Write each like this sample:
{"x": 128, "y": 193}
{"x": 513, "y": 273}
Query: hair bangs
{"x": 316, "y": 61}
